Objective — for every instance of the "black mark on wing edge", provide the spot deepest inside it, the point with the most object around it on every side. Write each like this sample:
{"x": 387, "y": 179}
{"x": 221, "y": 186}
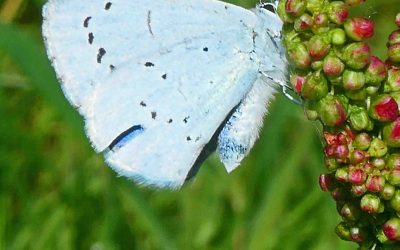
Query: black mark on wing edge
{"x": 132, "y": 131}
{"x": 91, "y": 37}
{"x": 153, "y": 115}
{"x": 164, "y": 76}
{"x": 108, "y": 6}
{"x": 100, "y": 55}
{"x": 86, "y": 22}
{"x": 149, "y": 64}
{"x": 143, "y": 104}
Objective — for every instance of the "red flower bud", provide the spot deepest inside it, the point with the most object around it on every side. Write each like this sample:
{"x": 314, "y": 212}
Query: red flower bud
{"x": 359, "y": 28}
{"x": 338, "y": 12}
{"x": 384, "y": 108}
{"x": 319, "y": 46}
{"x": 391, "y": 134}
{"x": 358, "y": 190}
{"x": 333, "y": 66}
{"x": 357, "y": 176}
{"x": 295, "y": 7}
{"x": 393, "y": 80}
{"x": 332, "y": 112}
{"x": 297, "y": 82}
{"x": 376, "y": 71}
{"x": 394, "y": 37}
{"x": 353, "y": 80}
{"x": 325, "y": 182}
{"x": 304, "y": 22}
{"x": 392, "y": 229}
{"x": 375, "y": 183}
{"x": 357, "y": 55}
{"x": 394, "y": 53}
{"x": 357, "y": 156}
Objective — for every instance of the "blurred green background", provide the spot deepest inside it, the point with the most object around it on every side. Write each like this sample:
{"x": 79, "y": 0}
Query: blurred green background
{"x": 56, "y": 193}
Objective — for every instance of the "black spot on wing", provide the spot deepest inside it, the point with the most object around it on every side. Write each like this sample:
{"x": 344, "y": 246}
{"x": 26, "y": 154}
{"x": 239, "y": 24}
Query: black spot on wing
{"x": 170, "y": 121}
{"x": 188, "y": 138}
{"x": 205, "y": 49}
{"x": 186, "y": 119}
{"x": 126, "y": 136}
{"x": 112, "y": 67}
{"x": 108, "y": 6}
{"x": 86, "y": 22}
{"x": 100, "y": 55}
{"x": 164, "y": 76}
{"x": 149, "y": 64}
{"x": 143, "y": 104}
{"x": 153, "y": 115}
{"x": 90, "y": 38}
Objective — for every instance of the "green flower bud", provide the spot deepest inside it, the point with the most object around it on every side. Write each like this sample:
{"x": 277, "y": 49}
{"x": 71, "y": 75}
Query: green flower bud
{"x": 371, "y": 203}
{"x": 332, "y": 111}
{"x": 377, "y": 148}
{"x": 357, "y": 55}
{"x": 350, "y": 212}
{"x": 338, "y": 36}
{"x": 381, "y": 237}
{"x": 343, "y": 231}
{"x": 397, "y": 20}
{"x": 359, "y": 119}
{"x": 372, "y": 90}
{"x": 359, "y": 28}
{"x": 342, "y": 175}
{"x": 392, "y": 83}
{"x": 353, "y": 80}
{"x": 315, "y": 86}
{"x": 395, "y": 201}
{"x": 319, "y": 46}
{"x": 338, "y": 12}
{"x": 299, "y": 56}
{"x": 393, "y": 161}
{"x": 394, "y": 53}
{"x": 333, "y": 66}
{"x": 394, "y": 176}
{"x": 383, "y": 108}
{"x": 376, "y": 72}
{"x": 362, "y": 141}
{"x": 387, "y": 192}
{"x": 391, "y": 134}
{"x": 392, "y": 229}
{"x": 314, "y": 6}
{"x": 356, "y": 95}
{"x": 331, "y": 164}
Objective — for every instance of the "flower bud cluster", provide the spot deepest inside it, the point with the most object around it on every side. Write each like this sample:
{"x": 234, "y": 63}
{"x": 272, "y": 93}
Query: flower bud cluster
{"x": 356, "y": 97}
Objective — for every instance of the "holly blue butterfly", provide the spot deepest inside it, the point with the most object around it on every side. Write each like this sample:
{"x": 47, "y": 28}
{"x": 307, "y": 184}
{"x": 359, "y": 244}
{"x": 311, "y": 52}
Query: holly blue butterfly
{"x": 161, "y": 84}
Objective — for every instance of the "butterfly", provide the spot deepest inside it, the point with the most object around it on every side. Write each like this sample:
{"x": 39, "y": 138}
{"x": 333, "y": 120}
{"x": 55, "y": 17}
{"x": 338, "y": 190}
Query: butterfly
{"x": 161, "y": 84}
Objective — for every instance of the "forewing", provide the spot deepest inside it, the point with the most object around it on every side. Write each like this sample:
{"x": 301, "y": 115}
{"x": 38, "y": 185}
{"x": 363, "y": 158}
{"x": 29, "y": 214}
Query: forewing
{"x": 153, "y": 79}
